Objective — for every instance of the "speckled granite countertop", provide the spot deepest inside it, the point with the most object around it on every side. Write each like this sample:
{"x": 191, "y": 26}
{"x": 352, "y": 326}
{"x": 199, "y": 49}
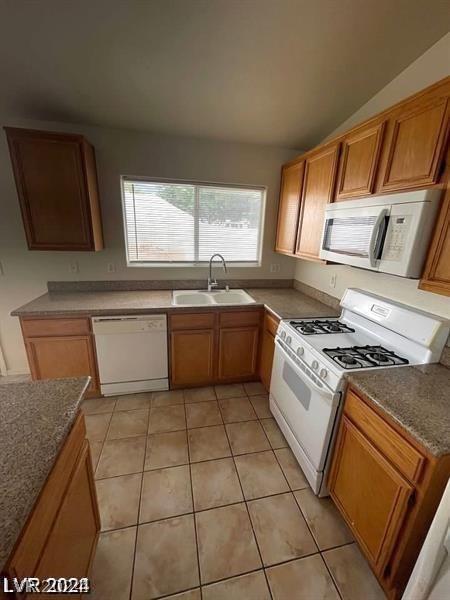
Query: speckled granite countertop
{"x": 417, "y": 398}
{"x": 35, "y": 418}
{"x": 284, "y": 302}
{"x": 289, "y": 303}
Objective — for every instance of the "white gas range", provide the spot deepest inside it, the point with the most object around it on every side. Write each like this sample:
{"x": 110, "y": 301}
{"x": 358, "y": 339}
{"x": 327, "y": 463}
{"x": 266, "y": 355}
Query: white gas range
{"x": 313, "y": 355}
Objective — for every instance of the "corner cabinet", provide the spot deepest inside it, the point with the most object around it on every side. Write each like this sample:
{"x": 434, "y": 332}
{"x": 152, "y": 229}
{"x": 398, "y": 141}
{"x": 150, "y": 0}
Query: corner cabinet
{"x": 387, "y": 487}
{"x": 61, "y": 347}
{"x": 289, "y": 207}
{"x": 56, "y": 181}
{"x": 318, "y": 189}
{"x": 214, "y": 347}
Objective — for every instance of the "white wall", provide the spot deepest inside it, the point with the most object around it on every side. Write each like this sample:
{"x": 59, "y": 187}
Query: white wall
{"x": 25, "y": 273}
{"x": 428, "y": 68}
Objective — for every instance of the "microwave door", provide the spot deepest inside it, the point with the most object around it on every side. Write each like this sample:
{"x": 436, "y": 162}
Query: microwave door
{"x": 354, "y": 236}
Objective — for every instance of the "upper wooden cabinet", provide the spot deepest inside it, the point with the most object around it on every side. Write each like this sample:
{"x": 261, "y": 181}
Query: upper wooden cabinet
{"x": 436, "y": 275}
{"x": 400, "y": 149}
{"x": 56, "y": 182}
{"x": 289, "y": 207}
{"x": 415, "y": 142}
{"x": 359, "y": 159}
{"x": 318, "y": 188}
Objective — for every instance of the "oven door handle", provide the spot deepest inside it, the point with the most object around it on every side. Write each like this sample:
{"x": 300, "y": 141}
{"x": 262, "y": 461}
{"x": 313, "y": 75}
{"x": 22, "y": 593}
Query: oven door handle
{"x": 324, "y": 390}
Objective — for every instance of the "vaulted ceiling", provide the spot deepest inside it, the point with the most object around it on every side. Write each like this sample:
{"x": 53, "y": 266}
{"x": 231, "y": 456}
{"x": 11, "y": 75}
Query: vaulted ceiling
{"x": 281, "y": 72}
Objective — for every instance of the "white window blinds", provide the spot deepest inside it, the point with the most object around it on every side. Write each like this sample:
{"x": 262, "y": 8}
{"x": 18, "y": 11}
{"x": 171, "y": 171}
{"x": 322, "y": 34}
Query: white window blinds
{"x": 175, "y": 222}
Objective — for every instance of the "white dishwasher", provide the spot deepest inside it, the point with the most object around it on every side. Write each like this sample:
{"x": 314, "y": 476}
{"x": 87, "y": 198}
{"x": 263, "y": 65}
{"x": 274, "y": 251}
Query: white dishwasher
{"x": 131, "y": 353}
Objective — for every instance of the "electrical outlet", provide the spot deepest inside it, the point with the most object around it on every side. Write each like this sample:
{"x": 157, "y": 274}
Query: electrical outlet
{"x": 111, "y": 268}
{"x": 274, "y": 268}
{"x": 73, "y": 266}
{"x": 333, "y": 280}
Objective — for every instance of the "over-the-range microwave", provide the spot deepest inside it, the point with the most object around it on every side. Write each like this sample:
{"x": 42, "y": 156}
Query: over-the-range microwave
{"x": 389, "y": 234}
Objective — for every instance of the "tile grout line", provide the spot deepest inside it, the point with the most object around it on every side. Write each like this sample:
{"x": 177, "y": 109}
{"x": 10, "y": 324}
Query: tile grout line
{"x": 139, "y": 504}
{"x": 248, "y": 515}
{"x": 193, "y": 504}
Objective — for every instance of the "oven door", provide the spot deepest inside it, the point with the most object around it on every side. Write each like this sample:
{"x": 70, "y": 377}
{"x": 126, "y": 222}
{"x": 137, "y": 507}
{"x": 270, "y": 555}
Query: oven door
{"x": 309, "y": 408}
{"x": 354, "y": 236}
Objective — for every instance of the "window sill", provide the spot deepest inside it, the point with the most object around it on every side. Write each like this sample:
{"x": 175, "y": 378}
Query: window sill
{"x": 163, "y": 265}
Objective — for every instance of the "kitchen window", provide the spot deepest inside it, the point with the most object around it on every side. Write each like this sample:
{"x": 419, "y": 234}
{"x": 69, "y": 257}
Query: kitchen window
{"x": 184, "y": 223}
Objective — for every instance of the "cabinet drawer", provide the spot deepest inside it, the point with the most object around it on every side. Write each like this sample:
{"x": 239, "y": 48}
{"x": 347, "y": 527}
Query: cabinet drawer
{"x": 31, "y": 544}
{"x": 396, "y": 449}
{"x": 271, "y": 323}
{"x": 55, "y": 327}
{"x": 192, "y": 321}
{"x": 240, "y": 318}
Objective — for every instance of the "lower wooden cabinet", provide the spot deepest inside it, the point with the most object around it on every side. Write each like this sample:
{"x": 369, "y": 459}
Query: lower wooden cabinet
{"x": 60, "y": 536}
{"x": 75, "y": 526}
{"x": 61, "y": 348}
{"x": 192, "y": 357}
{"x": 387, "y": 487}
{"x": 267, "y": 349}
{"x": 371, "y": 493}
{"x": 238, "y": 352}
{"x": 214, "y": 347}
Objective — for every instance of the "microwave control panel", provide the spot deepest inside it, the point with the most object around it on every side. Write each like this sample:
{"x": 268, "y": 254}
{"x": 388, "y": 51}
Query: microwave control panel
{"x": 396, "y": 237}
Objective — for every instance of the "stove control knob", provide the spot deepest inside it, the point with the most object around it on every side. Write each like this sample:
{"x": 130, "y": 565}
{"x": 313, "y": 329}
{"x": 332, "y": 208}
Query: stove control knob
{"x": 323, "y": 373}
{"x": 283, "y": 335}
{"x": 288, "y": 340}
{"x": 315, "y": 365}
{"x": 300, "y": 351}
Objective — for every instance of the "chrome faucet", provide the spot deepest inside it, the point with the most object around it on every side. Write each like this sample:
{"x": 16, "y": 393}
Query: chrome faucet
{"x": 212, "y": 283}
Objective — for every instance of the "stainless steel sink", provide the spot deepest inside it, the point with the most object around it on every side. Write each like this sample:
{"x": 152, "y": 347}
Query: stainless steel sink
{"x": 205, "y": 298}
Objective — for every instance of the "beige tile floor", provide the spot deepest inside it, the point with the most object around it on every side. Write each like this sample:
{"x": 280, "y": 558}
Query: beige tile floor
{"x": 201, "y": 499}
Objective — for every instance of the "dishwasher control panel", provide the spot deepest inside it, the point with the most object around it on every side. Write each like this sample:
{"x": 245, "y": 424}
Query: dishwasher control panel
{"x": 128, "y": 324}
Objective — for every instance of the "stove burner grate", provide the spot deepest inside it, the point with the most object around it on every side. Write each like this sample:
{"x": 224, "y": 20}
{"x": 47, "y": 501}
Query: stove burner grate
{"x": 364, "y": 357}
{"x": 320, "y": 326}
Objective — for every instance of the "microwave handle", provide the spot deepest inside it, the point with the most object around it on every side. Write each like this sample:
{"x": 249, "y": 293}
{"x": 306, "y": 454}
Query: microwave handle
{"x": 374, "y": 236}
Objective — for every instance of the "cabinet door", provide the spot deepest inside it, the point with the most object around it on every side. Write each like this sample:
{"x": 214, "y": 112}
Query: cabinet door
{"x": 436, "y": 275}
{"x": 370, "y": 493}
{"x": 57, "y": 187}
{"x": 238, "y": 352}
{"x": 415, "y": 144}
{"x": 56, "y": 357}
{"x": 266, "y": 358}
{"x": 74, "y": 529}
{"x": 289, "y": 207}
{"x": 318, "y": 188}
{"x": 192, "y": 357}
{"x": 358, "y": 161}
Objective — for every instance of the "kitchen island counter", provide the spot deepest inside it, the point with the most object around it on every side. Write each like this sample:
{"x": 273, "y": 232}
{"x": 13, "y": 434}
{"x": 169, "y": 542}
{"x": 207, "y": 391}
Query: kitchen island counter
{"x": 35, "y": 419}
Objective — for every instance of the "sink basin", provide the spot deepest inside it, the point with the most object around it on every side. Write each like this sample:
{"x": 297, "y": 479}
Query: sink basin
{"x": 191, "y": 298}
{"x": 232, "y": 297}
{"x": 204, "y": 298}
